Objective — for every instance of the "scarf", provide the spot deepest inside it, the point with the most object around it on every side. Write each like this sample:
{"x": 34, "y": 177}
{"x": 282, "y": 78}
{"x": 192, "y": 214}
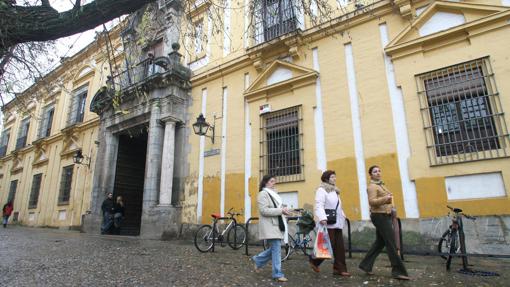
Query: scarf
{"x": 329, "y": 187}
{"x": 278, "y": 200}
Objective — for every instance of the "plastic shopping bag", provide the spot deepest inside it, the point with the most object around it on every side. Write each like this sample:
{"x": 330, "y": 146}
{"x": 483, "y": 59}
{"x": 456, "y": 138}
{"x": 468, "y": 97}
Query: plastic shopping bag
{"x": 322, "y": 247}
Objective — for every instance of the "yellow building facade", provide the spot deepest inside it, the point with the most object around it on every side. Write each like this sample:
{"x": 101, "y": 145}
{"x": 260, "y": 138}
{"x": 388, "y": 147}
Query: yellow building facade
{"x": 44, "y": 129}
{"x": 416, "y": 87}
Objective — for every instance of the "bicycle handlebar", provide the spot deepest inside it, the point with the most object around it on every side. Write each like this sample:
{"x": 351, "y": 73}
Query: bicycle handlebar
{"x": 456, "y": 210}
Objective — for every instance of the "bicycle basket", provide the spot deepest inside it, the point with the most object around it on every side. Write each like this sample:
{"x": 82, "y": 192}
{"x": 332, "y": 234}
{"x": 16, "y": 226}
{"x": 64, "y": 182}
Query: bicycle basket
{"x": 305, "y": 222}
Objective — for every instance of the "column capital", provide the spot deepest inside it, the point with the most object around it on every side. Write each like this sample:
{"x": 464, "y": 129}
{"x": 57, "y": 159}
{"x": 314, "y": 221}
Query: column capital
{"x": 169, "y": 119}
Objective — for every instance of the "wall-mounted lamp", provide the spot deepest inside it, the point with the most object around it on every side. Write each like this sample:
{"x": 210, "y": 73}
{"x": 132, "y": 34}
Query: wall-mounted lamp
{"x": 79, "y": 157}
{"x": 200, "y": 127}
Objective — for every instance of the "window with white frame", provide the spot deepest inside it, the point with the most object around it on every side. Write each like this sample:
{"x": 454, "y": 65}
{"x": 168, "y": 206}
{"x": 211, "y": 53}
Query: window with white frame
{"x": 282, "y": 144}
{"x": 4, "y": 142}
{"x": 21, "y": 141}
{"x": 199, "y": 37}
{"x": 462, "y": 113}
{"x": 77, "y": 106}
{"x": 46, "y": 122}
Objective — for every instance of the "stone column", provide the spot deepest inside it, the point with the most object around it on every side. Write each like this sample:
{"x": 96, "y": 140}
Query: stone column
{"x": 167, "y": 165}
{"x": 153, "y": 161}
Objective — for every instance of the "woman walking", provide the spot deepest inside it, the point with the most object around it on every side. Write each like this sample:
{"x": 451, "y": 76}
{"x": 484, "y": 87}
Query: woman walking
{"x": 327, "y": 200}
{"x": 272, "y": 226}
{"x": 380, "y": 200}
{"x": 6, "y": 212}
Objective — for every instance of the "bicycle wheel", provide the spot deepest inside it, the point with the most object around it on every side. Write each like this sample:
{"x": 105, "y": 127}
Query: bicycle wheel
{"x": 288, "y": 249}
{"x": 453, "y": 248}
{"x": 236, "y": 237}
{"x": 203, "y": 238}
{"x": 443, "y": 246}
{"x": 307, "y": 245}
{"x": 285, "y": 248}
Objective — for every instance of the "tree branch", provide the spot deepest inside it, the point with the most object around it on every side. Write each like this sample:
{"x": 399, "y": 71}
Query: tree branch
{"x": 20, "y": 24}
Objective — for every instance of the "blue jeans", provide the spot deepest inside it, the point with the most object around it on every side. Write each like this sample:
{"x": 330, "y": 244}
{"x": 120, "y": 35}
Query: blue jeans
{"x": 273, "y": 253}
{"x": 107, "y": 222}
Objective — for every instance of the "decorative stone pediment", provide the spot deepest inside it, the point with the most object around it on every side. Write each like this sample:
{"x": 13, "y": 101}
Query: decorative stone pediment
{"x": 444, "y": 22}
{"x": 280, "y": 75}
{"x": 41, "y": 156}
{"x": 70, "y": 142}
{"x": 17, "y": 163}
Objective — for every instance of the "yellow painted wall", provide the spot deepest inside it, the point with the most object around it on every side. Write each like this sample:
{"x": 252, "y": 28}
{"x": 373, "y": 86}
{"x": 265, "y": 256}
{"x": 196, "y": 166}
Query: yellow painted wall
{"x": 379, "y": 139}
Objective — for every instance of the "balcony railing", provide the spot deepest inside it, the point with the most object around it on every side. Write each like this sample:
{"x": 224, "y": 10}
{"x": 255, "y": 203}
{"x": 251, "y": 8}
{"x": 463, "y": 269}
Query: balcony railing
{"x": 274, "y": 18}
{"x": 139, "y": 73}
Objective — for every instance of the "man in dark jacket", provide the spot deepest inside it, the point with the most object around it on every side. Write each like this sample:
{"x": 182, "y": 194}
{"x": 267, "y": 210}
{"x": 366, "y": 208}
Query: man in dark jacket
{"x": 107, "y": 208}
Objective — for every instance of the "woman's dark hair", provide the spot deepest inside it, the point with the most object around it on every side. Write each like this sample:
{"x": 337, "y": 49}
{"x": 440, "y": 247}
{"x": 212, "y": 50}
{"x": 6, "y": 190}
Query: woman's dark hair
{"x": 326, "y": 175}
{"x": 370, "y": 169}
{"x": 264, "y": 181}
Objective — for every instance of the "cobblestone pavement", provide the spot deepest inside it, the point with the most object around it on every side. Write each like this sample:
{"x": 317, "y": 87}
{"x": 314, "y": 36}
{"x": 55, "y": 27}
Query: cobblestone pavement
{"x": 47, "y": 257}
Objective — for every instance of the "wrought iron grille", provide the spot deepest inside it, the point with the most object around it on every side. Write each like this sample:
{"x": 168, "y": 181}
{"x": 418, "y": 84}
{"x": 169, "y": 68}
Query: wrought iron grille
{"x": 4, "y": 142}
{"x": 462, "y": 113}
{"x": 65, "y": 184}
{"x": 137, "y": 74}
{"x": 34, "y": 194}
{"x": 274, "y": 18}
{"x": 12, "y": 191}
{"x": 281, "y": 144}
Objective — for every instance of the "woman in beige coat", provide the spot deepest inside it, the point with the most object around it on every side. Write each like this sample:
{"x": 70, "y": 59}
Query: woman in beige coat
{"x": 270, "y": 210}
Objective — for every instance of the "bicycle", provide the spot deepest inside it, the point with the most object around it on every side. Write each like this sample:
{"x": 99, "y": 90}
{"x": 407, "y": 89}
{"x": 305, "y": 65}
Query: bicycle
{"x": 303, "y": 237}
{"x": 207, "y": 236}
{"x": 452, "y": 241}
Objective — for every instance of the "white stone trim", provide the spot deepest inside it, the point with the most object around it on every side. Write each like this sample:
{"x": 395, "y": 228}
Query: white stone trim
{"x": 247, "y": 153}
{"x": 401, "y": 135}
{"x": 320, "y": 146}
{"x": 201, "y": 164}
{"x": 475, "y": 186}
{"x": 441, "y": 21}
{"x": 356, "y": 128}
{"x": 223, "y": 151}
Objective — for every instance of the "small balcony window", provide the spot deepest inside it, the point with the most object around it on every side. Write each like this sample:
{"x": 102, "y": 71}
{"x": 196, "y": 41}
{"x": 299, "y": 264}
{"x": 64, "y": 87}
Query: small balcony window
{"x": 274, "y": 18}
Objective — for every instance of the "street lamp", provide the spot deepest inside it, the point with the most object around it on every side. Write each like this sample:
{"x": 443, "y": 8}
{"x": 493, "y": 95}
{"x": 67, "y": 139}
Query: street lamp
{"x": 79, "y": 157}
{"x": 201, "y": 127}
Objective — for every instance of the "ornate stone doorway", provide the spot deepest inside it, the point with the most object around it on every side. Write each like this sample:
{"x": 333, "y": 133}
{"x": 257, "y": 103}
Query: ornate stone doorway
{"x": 129, "y": 179}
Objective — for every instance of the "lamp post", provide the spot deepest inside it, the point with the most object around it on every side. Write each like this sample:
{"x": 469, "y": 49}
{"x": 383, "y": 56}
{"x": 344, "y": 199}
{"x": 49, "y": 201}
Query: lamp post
{"x": 79, "y": 157}
{"x": 201, "y": 127}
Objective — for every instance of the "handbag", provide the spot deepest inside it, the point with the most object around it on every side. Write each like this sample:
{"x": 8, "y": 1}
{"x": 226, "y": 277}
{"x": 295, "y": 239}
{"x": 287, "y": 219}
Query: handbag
{"x": 331, "y": 214}
{"x": 281, "y": 225}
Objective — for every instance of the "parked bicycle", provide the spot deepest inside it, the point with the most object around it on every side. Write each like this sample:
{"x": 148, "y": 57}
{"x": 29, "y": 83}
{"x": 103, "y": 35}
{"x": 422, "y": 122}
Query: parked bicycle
{"x": 234, "y": 233}
{"x": 302, "y": 239}
{"x": 452, "y": 241}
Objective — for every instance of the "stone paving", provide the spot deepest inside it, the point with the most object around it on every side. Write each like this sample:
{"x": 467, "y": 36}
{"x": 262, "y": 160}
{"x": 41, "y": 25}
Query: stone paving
{"x": 49, "y": 257}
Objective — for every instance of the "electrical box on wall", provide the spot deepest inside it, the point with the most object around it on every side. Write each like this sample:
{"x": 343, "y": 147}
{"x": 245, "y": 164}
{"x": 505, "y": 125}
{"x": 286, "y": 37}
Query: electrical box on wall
{"x": 265, "y": 109}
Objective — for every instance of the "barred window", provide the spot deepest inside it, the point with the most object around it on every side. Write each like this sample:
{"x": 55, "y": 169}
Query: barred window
{"x": 281, "y": 144}
{"x": 462, "y": 113}
{"x": 77, "y": 106}
{"x": 4, "y": 142}
{"x": 274, "y": 18}
{"x": 12, "y": 191}
{"x": 46, "y": 122}
{"x": 34, "y": 193}
{"x": 21, "y": 142}
{"x": 65, "y": 184}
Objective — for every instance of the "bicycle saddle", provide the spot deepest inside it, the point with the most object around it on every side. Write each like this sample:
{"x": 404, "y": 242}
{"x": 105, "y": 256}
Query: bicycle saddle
{"x": 215, "y": 215}
{"x": 457, "y": 210}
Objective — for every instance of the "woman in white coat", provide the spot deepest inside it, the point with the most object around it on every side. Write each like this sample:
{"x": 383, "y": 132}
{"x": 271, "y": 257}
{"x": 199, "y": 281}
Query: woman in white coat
{"x": 270, "y": 210}
{"x": 327, "y": 196}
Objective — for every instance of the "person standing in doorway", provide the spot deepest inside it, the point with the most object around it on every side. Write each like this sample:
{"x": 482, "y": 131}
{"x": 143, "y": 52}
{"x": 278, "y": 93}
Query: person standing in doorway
{"x": 6, "y": 212}
{"x": 380, "y": 200}
{"x": 272, "y": 226}
{"x": 327, "y": 198}
{"x": 107, "y": 208}
{"x": 118, "y": 214}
